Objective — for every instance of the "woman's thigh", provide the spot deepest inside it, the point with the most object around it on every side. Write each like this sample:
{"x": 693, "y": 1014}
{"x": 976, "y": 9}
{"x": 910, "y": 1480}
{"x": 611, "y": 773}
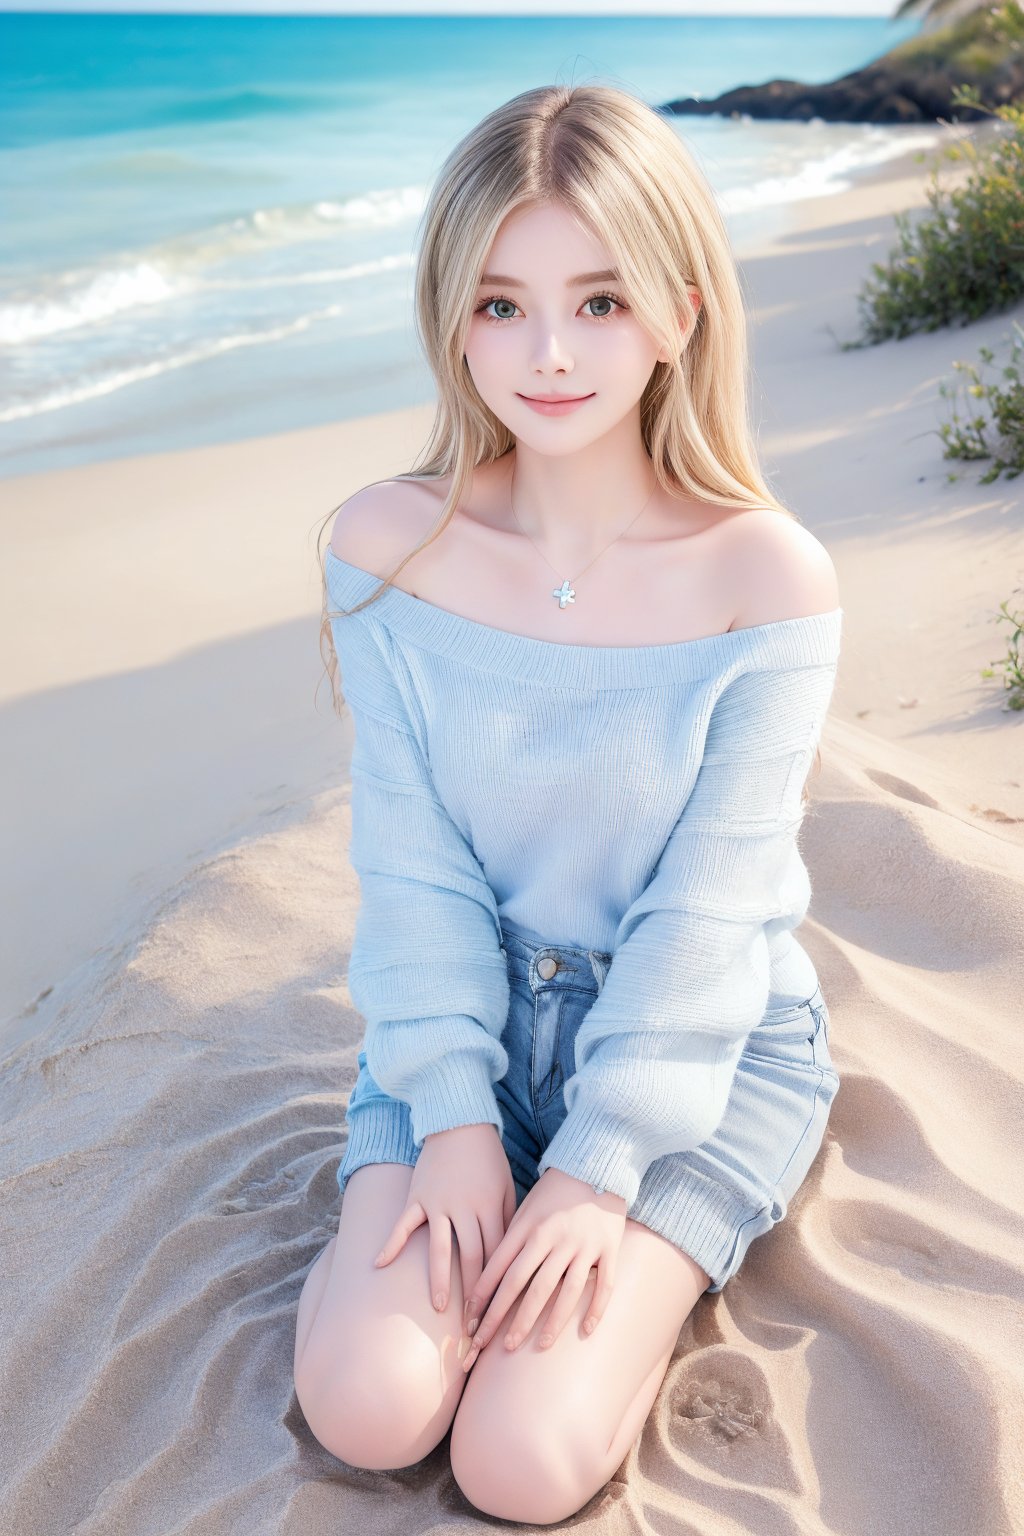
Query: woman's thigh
{"x": 539, "y": 1431}
{"x": 378, "y": 1371}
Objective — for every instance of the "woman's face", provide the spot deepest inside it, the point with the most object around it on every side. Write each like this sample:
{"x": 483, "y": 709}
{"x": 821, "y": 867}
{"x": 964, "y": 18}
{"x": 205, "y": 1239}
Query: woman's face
{"x": 554, "y": 322}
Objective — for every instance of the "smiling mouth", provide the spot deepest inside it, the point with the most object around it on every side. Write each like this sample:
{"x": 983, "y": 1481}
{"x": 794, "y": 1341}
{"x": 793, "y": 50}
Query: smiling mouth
{"x": 556, "y": 399}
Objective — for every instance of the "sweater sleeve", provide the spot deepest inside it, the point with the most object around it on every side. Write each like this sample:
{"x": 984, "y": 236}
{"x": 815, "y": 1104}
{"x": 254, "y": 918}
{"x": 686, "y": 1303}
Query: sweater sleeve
{"x": 426, "y": 969}
{"x": 689, "y": 978}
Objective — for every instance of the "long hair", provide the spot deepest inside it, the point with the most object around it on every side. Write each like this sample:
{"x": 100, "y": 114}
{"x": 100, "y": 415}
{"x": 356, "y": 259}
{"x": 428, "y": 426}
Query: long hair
{"x": 621, "y": 169}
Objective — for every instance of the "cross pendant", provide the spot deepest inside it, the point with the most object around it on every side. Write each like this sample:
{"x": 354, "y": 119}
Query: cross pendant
{"x": 565, "y": 593}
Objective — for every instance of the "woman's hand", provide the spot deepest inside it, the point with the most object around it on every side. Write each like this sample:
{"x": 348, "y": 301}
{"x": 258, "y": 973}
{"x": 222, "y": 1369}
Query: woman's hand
{"x": 561, "y": 1230}
{"x": 461, "y": 1179}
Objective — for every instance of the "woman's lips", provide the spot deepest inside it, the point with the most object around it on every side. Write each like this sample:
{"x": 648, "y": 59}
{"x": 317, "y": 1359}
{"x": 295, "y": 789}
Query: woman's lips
{"x": 555, "y": 407}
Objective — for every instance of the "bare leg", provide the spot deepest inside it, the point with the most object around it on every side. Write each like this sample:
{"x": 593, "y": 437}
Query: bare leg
{"x": 310, "y": 1298}
{"x": 379, "y": 1370}
{"x": 540, "y": 1431}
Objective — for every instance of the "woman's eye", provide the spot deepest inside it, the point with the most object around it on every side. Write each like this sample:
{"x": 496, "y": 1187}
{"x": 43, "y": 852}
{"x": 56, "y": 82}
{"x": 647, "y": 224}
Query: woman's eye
{"x": 604, "y": 298}
{"x": 487, "y": 304}
{"x": 502, "y": 319}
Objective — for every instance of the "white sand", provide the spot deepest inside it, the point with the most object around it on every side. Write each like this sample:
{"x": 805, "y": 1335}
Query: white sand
{"x": 177, "y": 816}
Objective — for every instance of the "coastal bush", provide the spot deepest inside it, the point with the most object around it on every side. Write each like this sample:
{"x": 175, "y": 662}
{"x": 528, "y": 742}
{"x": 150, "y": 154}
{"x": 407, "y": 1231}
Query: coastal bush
{"x": 967, "y": 436}
{"x": 1012, "y": 663}
{"x": 975, "y": 44}
{"x": 966, "y": 259}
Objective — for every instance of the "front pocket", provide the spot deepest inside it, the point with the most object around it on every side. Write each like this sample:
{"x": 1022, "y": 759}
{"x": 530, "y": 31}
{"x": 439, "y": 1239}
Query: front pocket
{"x": 797, "y": 1021}
{"x": 822, "y": 1053}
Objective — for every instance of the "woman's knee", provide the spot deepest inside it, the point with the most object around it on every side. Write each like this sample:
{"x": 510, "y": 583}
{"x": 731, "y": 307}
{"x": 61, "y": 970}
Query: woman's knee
{"x": 514, "y": 1470}
{"x": 378, "y": 1402}
{"x": 379, "y": 1376}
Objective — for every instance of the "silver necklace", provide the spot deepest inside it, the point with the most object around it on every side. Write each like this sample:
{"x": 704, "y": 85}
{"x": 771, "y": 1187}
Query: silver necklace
{"x": 566, "y": 593}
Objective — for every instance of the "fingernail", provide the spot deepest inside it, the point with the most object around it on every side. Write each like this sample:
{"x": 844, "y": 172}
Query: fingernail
{"x": 470, "y": 1358}
{"x": 471, "y": 1326}
{"x": 439, "y": 1301}
{"x": 379, "y": 1259}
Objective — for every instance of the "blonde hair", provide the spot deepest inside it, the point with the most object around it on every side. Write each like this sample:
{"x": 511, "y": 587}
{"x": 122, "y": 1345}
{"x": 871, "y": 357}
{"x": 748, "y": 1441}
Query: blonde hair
{"x": 618, "y": 166}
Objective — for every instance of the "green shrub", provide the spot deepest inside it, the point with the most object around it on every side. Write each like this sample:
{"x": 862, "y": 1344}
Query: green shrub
{"x": 977, "y": 41}
{"x": 967, "y": 259}
{"x": 966, "y": 436}
{"x": 1013, "y": 662}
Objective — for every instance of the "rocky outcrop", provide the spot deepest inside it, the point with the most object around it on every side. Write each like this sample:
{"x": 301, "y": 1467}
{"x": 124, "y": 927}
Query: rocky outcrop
{"x": 913, "y": 83}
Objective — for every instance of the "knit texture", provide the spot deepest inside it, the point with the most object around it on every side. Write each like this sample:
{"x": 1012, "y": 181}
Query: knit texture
{"x": 644, "y": 801}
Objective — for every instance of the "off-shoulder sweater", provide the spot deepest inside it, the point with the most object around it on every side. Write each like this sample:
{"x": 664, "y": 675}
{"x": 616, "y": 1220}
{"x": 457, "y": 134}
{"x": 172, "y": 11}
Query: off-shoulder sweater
{"x": 639, "y": 800}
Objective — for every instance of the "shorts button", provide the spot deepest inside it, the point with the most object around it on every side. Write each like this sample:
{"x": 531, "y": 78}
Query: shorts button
{"x": 547, "y": 967}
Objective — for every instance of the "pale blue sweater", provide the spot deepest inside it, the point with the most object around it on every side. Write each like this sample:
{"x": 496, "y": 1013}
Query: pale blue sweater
{"x": 643, "y": 801}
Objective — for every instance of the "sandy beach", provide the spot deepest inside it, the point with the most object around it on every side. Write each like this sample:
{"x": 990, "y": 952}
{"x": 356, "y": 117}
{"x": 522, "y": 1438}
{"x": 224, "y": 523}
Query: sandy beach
{"x": 179, "y": 1042}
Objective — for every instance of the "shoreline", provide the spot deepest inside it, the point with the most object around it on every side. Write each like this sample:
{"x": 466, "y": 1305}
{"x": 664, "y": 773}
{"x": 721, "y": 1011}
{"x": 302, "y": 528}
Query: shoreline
{"x": 214, "y": 401}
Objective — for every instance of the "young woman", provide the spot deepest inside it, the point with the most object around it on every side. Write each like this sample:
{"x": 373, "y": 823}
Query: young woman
{"x": 586, "y": 700}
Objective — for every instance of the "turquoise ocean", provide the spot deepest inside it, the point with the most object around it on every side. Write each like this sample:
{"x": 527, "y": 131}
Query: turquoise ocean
{"x": 207, "y": 223}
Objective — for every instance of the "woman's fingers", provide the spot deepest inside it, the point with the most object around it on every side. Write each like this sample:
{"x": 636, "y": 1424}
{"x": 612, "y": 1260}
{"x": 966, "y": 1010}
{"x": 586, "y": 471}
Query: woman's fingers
{"x": 537, "y": 1296}
{"x": 602, "y": 1291}
{"x": 440, "y": 1261}
{"x": 479, "y": 1293}
{"x": 412, "y": 1217}
{"x": 471, "y": 1253}
{"x": 573, "y": 1286}
{"x": 516, "y": 1276}
{"x": 494, "y": 1225}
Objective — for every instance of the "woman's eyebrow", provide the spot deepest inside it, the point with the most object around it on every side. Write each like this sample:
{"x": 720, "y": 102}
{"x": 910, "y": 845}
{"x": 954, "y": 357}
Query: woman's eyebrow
{"x": 610, "y": 276}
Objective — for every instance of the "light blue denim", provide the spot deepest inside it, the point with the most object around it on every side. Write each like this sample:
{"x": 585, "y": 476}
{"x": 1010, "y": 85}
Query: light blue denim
{"x": 711, "y": 1202}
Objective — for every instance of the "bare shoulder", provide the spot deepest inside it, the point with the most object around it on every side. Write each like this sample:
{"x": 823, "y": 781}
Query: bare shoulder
{"x": 781, "y": 570}
{"x": 377, "y": 525}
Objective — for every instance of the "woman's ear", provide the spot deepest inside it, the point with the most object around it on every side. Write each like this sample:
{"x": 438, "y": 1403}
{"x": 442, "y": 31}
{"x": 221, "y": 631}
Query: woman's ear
{"x": 687, "y": 320}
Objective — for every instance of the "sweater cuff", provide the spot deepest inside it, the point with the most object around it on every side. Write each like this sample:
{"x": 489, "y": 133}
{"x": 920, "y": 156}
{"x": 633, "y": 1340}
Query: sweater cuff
{"x": 458, "y": 1091}
{"x": 601, "y": 1150}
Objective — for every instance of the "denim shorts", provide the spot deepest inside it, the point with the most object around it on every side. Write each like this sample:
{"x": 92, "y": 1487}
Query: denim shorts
{"x": 712, "y": 1201}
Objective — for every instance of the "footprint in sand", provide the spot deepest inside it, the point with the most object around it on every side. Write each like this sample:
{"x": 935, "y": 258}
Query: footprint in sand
{"x": 900, "y": 787}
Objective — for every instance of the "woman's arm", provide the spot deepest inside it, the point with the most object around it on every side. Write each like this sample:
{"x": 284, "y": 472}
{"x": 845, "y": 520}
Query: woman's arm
{"x": 426, "y": 969}
{"x": 689, "y": 978}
